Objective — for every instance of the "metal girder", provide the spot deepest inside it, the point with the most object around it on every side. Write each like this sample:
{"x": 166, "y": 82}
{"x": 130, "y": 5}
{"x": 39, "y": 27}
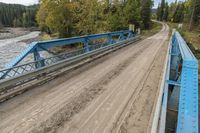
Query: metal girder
{"x": 67, "y": 41}
{"x": 55, "y": 66}
{"x": 61, "y": 42}
{"x": 13, "y": 69}
{"x": 175, "y": 83}
{"x": 38, "y": 58}
{"x": 188, "y": 101}
{"x": 178, "y": 97}
{"x": 184, "y": 49}
{"x": 22, "y": 55}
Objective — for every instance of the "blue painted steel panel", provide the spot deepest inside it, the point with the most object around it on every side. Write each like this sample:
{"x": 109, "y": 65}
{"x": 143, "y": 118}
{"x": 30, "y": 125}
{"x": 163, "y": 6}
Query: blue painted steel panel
{"x": 185, "y": 51}
{"x": 60, "y": 42}
{"x": 188, "y": 102}
{"x": 182, "y": 57}
{"x": 66, "y": 41}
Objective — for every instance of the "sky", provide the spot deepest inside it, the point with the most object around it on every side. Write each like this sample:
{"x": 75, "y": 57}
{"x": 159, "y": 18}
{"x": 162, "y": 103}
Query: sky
{"x": 159, "y": 1}
{"x": 23, "y": 2}
{"x": 31, "y": 2}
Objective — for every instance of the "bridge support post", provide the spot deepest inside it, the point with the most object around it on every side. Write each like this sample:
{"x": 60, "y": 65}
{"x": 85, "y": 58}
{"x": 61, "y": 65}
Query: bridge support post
{"x": 129, "y": 35}
{"x": 121, "y": 37}
{"x": 86, "y": 45}
{"x": 38, "y": 59}
{"x": 110, "y": 41}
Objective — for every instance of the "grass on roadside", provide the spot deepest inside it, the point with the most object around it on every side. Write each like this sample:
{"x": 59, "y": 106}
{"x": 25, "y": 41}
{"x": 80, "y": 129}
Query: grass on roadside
{"x": 191, "y": 37}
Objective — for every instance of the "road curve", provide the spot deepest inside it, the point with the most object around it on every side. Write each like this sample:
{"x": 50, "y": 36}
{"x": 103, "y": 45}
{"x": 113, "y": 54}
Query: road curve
{"x": 115, "y": 93}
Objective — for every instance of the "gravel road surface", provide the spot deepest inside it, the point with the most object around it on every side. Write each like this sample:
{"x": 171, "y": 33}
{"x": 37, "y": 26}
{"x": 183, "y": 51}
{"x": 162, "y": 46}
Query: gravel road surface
{"x": 115, "y": 93}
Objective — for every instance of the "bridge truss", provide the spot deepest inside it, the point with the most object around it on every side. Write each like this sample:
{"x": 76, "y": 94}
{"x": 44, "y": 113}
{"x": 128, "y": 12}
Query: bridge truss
{"x": 177, "y": 108}
{"x": 18, "y": 73}
{"x": 14, "y": 68}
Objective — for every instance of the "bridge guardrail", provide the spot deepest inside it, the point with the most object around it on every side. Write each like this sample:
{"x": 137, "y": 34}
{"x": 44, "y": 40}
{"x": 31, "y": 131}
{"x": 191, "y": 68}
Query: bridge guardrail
{"x": 188, "y": 99}
{"x": 62, "y": 63}
{"x": 179, "y": 90}
{"x": 35, "y": 49}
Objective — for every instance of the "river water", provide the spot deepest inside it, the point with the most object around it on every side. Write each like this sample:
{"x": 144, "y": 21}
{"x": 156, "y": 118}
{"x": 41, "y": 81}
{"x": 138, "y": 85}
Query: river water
{"x": 10, "y": 48}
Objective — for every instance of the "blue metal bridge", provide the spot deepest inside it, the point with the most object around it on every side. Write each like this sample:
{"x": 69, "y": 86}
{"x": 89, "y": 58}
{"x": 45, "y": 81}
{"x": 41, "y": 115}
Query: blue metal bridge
{"x": 178, "y": 105}
{"x": 177, "y": 110}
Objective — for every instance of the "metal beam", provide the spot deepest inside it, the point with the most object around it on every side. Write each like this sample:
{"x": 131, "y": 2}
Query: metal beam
{"x": 63, "y": 63}
{"x": 35, "y": 48}
{"x": 175, "y": 83}
{"x": 188, "y": 101}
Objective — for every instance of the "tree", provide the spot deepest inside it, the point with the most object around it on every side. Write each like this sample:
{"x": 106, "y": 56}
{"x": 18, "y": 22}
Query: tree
{"x": 72, "y": 18}
{"x": 116, "y": 18}
{"x": 1, "y": 26}
{"x": 166, "y": 12}
{"x": 81, "y": 17}
{"x": 17, "y": 23}
{"x": 132, "y": 12}
{"x": 172, "y": 10}
{"x": 146, "y": 13}
{"x": 25, "y": 20}
{"x": 90, "y": 17}
{"x": 158, "y": 12}
{"x": 178, "y": 16}
{"x": 10, "y": 14}
{"x": 195, "y": 15}
{"x": 162, "y": 10}
{"x": 57, "y": 16}
{"x": 41, "y": 17}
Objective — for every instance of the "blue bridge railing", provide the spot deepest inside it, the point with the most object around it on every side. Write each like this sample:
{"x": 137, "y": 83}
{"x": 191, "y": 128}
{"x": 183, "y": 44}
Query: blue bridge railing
{"x": 90, "y": 43}
{"x": 179, "y": 110}
{"x": 188, "y": 97}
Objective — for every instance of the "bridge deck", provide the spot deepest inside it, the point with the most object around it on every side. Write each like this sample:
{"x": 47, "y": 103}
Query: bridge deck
{"x": 116, "y": 92}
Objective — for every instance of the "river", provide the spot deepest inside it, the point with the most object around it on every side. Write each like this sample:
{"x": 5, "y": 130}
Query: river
{"x": 10, "y": 48}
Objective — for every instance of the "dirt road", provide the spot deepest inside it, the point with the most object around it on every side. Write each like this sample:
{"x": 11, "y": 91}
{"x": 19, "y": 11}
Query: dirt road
{"x": 116, "y": 93}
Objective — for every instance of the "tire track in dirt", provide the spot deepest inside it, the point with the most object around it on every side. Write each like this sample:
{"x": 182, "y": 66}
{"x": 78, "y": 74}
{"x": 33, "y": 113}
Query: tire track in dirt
{"x": 57, "y": 104}
{"x": 93, "y": 119}
{"x": 79, "y": 102}
{"x": 157, "y": 64}
{"x": 143, "y": 102}
{"x": 30, "y": 108}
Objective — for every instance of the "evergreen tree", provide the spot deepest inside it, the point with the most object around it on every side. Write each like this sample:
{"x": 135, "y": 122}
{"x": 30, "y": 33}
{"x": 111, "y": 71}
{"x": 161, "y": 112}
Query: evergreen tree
{"x": 178, "y": 16}
{"x": 158, "y": 13}
{"x": 162, "y": 9}
{"x": 195, "y": 14}
{"x": 146, "y": 13}
{"x": 1, "y": 26}
{"x": 116, "y": 18}
{"x": 166, "y": 12}
{"x": 132, "y": 12}
{"x": 10, "y": 14}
